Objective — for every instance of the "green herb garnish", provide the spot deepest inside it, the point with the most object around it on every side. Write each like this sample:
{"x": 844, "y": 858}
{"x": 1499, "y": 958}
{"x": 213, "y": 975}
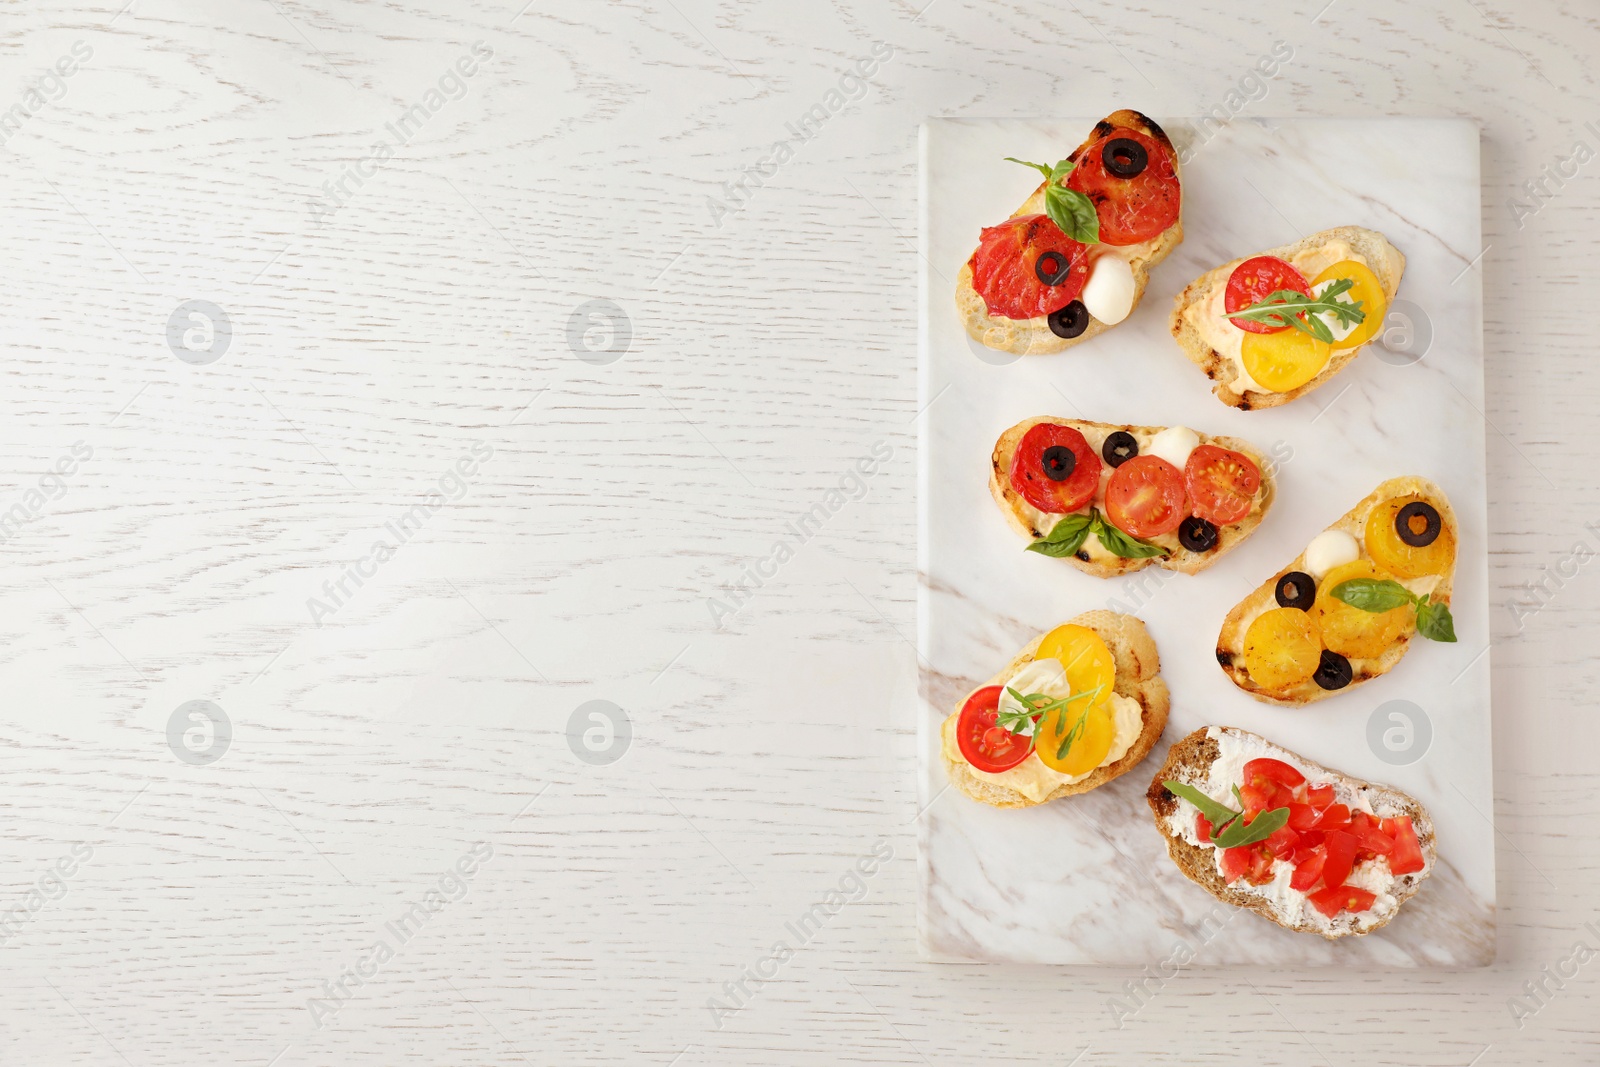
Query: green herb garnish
{"x": 1229, "y": 828}
{"x": 1069, "y": 209}
{"x": 1068, "y": 535}
{"x": 1038, "y": 706}
{"x": 1386, "y": 594}
{"x": 1286, "y": 307}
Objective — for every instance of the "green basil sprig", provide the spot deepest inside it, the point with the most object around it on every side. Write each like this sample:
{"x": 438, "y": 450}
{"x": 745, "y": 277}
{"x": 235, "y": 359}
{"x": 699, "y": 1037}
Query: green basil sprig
{"x": 1229, "y": 828}
{"x": 1377, "y": 595}
{"x": 1069, "y": 209}
{"x": 1068, "y": 535}
{"x": 1286, "y": 307}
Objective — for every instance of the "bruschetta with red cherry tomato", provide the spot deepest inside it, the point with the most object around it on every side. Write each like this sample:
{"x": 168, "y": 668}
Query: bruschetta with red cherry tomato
{"x": 1079, "y": 706}
{"x": 1074, "y": 259}
{"x": 1349, "y": 606}
{"x": 1113, "y": 499}
{"x": 1311, "y": 849}
{"x": 1272, "y": 327}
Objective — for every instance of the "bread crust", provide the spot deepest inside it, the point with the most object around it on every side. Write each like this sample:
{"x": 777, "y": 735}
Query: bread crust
{"x": 1189, "y": 761}
{"x": 1026, "y": 337}
{"x": 1138, "y": 676}
{"x": 1182, "y": 560}
{"x": 1372, "y": 246}
{"x": 1230, "y": 641}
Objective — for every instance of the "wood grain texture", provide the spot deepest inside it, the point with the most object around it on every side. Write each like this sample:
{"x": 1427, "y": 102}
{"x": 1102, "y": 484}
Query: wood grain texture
{"x": 771, "y": 752}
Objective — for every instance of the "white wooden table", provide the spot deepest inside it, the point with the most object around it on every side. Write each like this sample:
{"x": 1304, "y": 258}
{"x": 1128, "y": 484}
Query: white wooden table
{"x": 396, "y": 765}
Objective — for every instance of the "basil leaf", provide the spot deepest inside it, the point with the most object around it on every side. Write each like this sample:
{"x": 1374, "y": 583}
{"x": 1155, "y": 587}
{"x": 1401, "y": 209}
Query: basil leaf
{"x": 1434, "y": 621}
{"x": 1217, "y": 814}
{"x": 1263, "y": 826}
{"x": 1120, "y": 544}
{"x": 1372, "y": 594}
{"x": 1040, "y": 167}
{"x": 1073, "y": 212}
{"x": 1065, "y": 538}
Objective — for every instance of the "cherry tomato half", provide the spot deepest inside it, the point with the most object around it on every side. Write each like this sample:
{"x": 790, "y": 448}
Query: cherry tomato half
{"x": 1135, "y": 208}
{"x": 1256, "y": 279}
{"x": 1221, "y": 483}
{"x": 1039, "y": 469}
{"x": 1145, "y": 497}
{"x": 1004, "y": 267}
{"x": 987, "y": 745}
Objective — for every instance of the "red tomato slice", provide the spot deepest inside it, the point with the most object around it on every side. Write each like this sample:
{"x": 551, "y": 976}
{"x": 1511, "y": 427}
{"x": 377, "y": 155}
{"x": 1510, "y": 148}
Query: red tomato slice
{"x": 1004, "y": 268}
{"x": 1407, "y": 855}
{"x": 1130, "y": 209}
{"x": 987, "y": 745}
{"x": 1320, "y": 796}
{"x": 1256, "y": 279}
{"x": 1308, "y": 872}
{"x": 1341, "y": 850}
{"x": 1029, "y": 471}
{"x": 1342, "y": 898}
{"x": 1222, "y": 487}
{"x": 1202, "y": 828}
{"x": 1145, "y": 497}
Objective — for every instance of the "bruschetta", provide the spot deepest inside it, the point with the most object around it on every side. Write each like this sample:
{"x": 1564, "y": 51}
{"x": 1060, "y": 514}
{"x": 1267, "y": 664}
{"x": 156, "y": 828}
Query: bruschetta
{"x": 1272, "y": 327}
{"x": 1074, "y": 259}
{"x": 1114, "y": 499}
{"x": 1079, "y": 706}
{"x": 1346, "y": 609}
{"x": 1310, "y": 849}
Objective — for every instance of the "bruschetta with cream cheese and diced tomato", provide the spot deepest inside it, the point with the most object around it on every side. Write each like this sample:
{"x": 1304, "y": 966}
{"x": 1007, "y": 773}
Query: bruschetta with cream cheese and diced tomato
{"x": 1074, "y": 259}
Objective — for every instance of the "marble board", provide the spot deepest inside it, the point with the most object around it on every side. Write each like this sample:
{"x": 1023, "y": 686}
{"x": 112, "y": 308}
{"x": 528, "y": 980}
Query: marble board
{"x": 1086, "y": 880}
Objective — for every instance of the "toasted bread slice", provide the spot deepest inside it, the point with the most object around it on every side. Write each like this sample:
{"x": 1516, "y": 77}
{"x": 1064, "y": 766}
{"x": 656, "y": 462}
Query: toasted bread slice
{"x": 1093, "y": 558}
{"x": 1201, "y": 301}
{"x": 1138, "y": 677}
{"x": 1034, "y": 336}
{"x": 1190, "y": 761}
{"x": 1230, "y": 642}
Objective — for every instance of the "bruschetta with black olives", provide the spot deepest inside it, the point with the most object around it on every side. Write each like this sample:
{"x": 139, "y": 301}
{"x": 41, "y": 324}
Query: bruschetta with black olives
{"x": 1074, "y": 259}
{"x": 1345, "y": 611}
{"x": 1114, "y": 499}
{"x": 1272, "y": 327}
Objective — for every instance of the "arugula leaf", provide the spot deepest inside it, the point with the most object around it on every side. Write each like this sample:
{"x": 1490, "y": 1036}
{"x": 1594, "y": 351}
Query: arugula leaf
{"x": 1120, "y": 544}
{"x": 1065, "y": 538}
{"x": 1263, "y": 826}
{"x": 1434, "y": 621}
{"x": 1286, "y": 307}
{"x": 1069, "y": 209}
{"x": 1216, "y": 813}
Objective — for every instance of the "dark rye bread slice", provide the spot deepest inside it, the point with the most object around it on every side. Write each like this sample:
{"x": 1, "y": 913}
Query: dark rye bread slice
{"x": 1034, "y": 336}
{"x": 1180, "y": 559}
{"x": 1189, "y": 761}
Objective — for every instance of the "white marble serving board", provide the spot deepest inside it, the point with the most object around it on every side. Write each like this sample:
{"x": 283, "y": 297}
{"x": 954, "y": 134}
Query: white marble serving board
{"x": 1086, "y": 880}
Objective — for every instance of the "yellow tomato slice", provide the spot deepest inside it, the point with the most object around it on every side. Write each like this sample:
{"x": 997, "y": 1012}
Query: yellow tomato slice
{"x": 1397, "y": 557}
{"x": 1354, "y": 633}
{"x": 1367, "y": 290}
{"x": 1284, "y": 360}
{"x": 1087, "y": 661}
{"x": 1094, "y": 730}
{"x": 1282, "y": 648}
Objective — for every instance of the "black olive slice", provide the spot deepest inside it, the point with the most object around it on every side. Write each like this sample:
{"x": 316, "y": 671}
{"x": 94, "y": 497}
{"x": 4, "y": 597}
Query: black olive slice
{"x": 1333, "y": 672}
{"x": 1296, "y": 589}
{"x": 1197, "y": 535}
{"x": 1124, "y": 157}
{"x": 1119, "y": 448}
{"x": 1432, "y": 524}
{"x": 1052, "y": 268}
{"x": 1070, "y": 321}
{"x": 1059, "y": 462}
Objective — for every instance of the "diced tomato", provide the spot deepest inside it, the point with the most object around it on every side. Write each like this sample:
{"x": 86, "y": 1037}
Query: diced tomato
{"x": 1255, "y": 799}
{"x": 1341, "y": 849}
{"x": 1368, "y": 835}
{"x": 1334, "y": 817}
{"x": 1235, "y": 863}
{"x": 1202, "y": 828}
{"x": 1310, "y": 839}
{"x": 1339, "y": 898}
{"x": 1302, "y": 816}
{"x": 1260, "y": 864}
{"x": 1407, "y": 855}
{"x": 1281, "y": 842}
{"x": 1320, "y": 796}
{"x": 1274, "y": 770}
{"x": 1308, "y": 871}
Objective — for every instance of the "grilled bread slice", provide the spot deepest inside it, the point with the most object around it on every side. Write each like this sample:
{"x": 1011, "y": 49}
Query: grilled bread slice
{"x": 1199, "y": 318}
{"x": 1034, "y": 336}
{"x": 1190, "y": 761}
{"x": 1138, "y": 677}
{"x": 1093, "y": 558}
